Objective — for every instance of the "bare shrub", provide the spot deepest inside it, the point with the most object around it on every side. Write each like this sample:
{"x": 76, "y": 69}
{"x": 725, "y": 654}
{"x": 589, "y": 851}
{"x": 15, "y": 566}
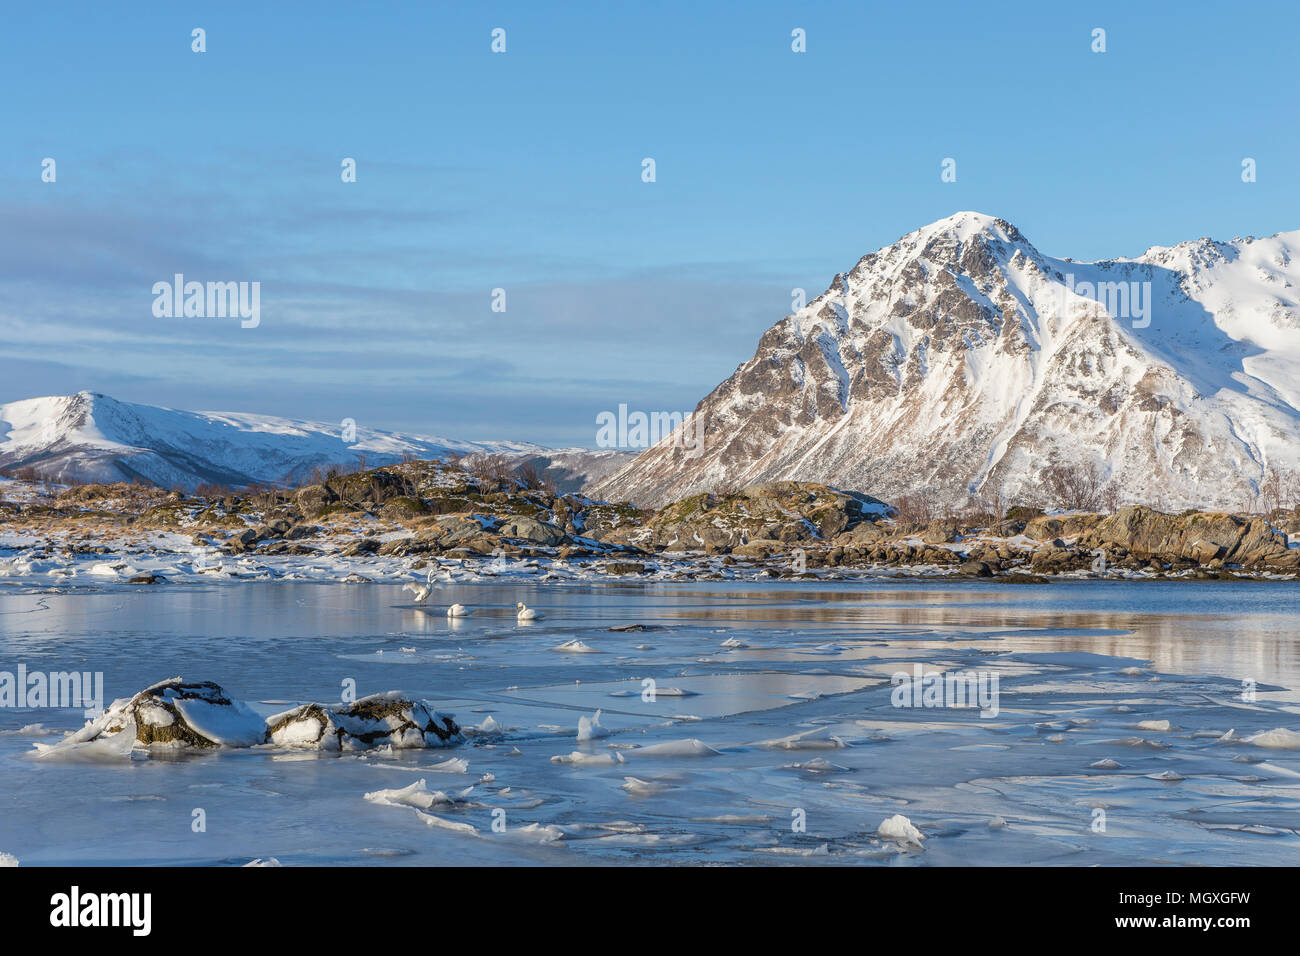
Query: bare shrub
{"x": 990, "y": 507}
{"x": 489, "y": 469}
{"x": 1273, "y": 492}
{"x": 919, "y": 506}
{"x": 1074, "y": 487}
{"x": 530, "y": 475}
{"x": 1110, "y": 497}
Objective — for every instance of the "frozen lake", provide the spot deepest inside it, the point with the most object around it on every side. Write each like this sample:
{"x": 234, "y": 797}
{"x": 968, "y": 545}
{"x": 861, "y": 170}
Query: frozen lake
{"x": 772, "y": 705}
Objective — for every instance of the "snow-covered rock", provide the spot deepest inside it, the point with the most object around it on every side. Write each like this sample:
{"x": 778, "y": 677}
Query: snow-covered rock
{"x": 180, "y": 714}
{"x": 174, "y": 713}
{"x": 378, "y": 720}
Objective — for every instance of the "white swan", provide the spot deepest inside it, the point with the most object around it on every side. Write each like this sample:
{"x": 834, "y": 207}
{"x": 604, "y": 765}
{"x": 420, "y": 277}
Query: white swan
{"x": 459, "y": 610}
{"x": 527, "y": 613}
{"x": 421, "y": 593}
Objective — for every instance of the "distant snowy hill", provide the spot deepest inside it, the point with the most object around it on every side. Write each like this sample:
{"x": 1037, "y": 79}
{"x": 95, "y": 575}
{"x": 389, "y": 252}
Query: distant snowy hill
{"x": 92, "y": 437}
{"x": 962, "y": 359}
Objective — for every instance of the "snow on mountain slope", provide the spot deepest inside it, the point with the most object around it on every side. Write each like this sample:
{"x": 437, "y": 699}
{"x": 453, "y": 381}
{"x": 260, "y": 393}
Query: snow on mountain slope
{"x": 92, "y": 437}
{"x": 963, "y": 360}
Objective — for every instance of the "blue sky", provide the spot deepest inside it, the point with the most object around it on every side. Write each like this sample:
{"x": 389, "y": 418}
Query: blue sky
{"x": 522, "y": 171}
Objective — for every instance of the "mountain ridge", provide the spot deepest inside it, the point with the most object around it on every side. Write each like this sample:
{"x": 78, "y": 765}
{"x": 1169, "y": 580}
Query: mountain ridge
{"x": 90, "y": 436}
{"x": 962, "y": 360}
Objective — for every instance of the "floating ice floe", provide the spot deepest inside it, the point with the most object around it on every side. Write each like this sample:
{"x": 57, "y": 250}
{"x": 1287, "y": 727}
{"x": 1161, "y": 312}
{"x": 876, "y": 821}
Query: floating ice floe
{"x": 643, "y": 788}
{"x": 822, "y": 850}
{"x": 1167, "y": 776}
{"x": 417, "y": 795}
{"x": 819, "y": 765}
{"x": 1159, "y": 725}
{"x": 1277, "y": 739}
{"x": 579, "y": 759}
{"x": 576, "y": 646}
{"x": 442, "y": 823}
{"x": 533, "y": 833}
{"x": 817, "y": 739}
{"x": 691, "y": 747}
{"x": 29, "y": 730}
{"x": 900, "y": 829}
{"x": 386, "y": 851}
{"x": 1106, "y": 763}
{"x": 589, "y": 728}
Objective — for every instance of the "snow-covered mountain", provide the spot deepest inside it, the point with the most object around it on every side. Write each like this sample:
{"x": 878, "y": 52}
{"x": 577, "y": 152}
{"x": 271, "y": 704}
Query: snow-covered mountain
{"x": 92, "y": 437}
{"x": 962, "y": 359}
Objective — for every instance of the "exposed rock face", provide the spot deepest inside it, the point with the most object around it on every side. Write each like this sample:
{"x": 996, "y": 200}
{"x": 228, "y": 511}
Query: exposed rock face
{"x": 961, "y": 359}
{"x": 179, "y": 714}
{"x": 1199, "y": 537}
{"x": 783, "y": 513}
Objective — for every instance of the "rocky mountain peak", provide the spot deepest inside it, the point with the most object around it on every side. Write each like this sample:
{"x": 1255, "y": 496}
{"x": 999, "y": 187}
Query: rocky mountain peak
{"x": 961, "y": 361}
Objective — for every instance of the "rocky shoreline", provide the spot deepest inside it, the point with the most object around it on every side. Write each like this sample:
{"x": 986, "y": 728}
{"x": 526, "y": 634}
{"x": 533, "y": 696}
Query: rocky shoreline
{"x": 426, "y": 515}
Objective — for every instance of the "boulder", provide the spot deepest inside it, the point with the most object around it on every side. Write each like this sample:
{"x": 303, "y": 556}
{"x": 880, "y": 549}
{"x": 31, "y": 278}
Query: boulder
{"x": 314, "y": 499}
{"x": 178, "y": 714}
{"x": 859, "y": 535}
{"x": 531, "y": 530}
{"x": 1047, "y": 527}
{"x": 173, "y": 714}
{"x": 758, "y": 548}
{"x": 375, "y": 721}
{"x": 360, "y": 546}
{"x": 452, "y": 531}
{"x": 403, "y": 508}
{"x": 939, "y": 532}
{"x": 243, "y": 541}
